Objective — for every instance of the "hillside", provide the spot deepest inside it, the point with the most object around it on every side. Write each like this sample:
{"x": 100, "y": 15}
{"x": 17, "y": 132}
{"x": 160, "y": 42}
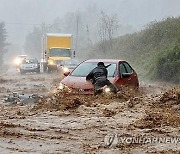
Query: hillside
{"x": 154, "y": 51}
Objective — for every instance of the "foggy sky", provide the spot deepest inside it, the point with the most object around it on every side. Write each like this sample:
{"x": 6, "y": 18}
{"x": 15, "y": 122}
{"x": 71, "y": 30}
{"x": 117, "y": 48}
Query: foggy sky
{"x": 21, "y": 15}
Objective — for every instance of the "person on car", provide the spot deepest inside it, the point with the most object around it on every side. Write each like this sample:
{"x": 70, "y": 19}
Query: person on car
{"x": 98, "y": 77}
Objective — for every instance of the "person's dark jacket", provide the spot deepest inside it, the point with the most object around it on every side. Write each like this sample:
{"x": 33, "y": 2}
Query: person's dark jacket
{"x": 99, "y": 72}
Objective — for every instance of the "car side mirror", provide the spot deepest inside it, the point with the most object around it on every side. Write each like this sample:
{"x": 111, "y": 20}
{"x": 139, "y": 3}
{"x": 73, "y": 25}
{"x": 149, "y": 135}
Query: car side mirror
{"x": 126, "y": 75}
{"x": 66, "y": 73}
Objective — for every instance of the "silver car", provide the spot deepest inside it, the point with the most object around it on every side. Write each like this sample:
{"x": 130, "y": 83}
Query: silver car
{"x": 30, "y": 65}
{"x": 68, "y": 65}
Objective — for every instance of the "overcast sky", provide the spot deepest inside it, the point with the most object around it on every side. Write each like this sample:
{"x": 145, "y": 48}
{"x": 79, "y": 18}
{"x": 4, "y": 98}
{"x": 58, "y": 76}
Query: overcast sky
{"x": 20, "y": 15}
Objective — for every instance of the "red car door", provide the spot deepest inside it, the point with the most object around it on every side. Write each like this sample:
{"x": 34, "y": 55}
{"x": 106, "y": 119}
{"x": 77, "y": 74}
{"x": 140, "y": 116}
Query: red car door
{"x": 127, "y": 76}
{"x": 133, "y": 80}
{"x": 120, "y": 80}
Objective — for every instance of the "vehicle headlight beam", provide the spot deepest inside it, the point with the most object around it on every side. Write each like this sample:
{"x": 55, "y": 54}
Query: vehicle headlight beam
{"x": 65, "y": 69}
{"x": 107, "y": 90}
{"x": 17, "y": 61}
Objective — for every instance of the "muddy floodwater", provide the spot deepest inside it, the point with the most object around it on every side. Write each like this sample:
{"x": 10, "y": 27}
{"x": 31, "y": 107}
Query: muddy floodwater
{"x": 143, "y": 121}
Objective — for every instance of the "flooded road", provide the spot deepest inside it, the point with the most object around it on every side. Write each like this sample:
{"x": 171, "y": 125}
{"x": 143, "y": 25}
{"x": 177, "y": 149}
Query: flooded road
{"x": 129, "y": 122}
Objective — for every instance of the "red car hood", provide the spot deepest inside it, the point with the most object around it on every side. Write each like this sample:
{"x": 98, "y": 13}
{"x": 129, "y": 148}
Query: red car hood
{"x": 79, "y": 82}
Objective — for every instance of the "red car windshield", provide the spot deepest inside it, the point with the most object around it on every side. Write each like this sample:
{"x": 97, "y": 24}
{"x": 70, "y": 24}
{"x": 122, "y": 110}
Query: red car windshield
{"x": 84, "y": 68}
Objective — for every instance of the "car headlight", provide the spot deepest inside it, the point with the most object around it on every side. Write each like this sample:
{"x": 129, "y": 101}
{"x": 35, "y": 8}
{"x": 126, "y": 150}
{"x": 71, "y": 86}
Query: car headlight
{"x": 51, "y": 62}
{"x": 107, "y": 90}
{"x": 65, "y": 69}
{"x": 17, "y": 61}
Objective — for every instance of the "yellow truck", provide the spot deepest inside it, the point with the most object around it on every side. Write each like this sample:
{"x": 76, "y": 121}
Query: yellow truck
{"x": 55, "y": 48}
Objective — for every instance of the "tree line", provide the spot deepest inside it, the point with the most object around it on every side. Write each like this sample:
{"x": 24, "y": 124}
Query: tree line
{"x": 3, "y": 41}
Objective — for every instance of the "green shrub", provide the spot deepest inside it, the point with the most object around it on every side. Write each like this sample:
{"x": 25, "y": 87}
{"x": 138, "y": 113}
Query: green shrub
{"x": 168, "y": 65}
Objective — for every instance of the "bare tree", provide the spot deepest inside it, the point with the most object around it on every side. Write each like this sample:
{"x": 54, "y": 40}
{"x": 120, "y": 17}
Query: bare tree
{"x": 108, "y": 26}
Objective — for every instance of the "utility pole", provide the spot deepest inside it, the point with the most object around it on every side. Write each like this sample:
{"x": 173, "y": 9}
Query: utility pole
{"x": 88, "y": 37}
{"x": 77, "y": 31}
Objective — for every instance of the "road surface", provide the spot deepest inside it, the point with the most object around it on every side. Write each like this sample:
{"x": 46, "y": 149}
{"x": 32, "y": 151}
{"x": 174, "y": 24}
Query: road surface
{"x": 147, "y": 121}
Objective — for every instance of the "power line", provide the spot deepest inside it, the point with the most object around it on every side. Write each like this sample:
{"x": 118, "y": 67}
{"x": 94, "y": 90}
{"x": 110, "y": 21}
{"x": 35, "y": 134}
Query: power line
{"x": 27, "y": 24}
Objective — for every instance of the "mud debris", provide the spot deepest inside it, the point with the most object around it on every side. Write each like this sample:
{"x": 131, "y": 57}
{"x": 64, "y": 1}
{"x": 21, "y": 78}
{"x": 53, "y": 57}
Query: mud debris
{"x": 161, "y": 112}
{"x": 21, "y": 99}
{"x": 63, "y": 100}
{"x": 68, "y": 123}
{"x": 158, "y": 119}
{"x": 108, "y": 113}
{"x": 171, "y": 96}
{"x": 2, "y": 80}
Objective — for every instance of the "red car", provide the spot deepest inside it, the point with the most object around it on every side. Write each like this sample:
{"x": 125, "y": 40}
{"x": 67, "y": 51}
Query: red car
{"x": 119, "y": 73}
